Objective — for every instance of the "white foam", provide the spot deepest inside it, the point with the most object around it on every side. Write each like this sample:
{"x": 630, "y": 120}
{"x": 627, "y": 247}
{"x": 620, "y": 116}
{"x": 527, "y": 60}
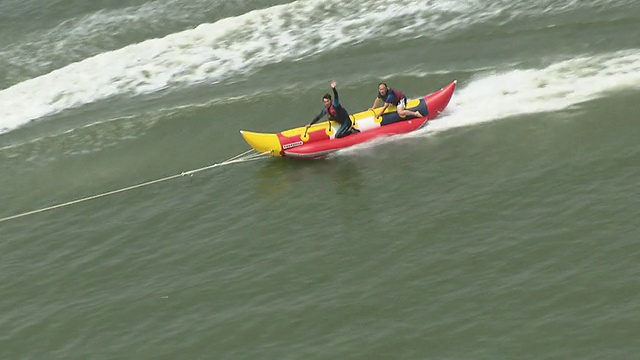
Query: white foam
{"x": 495, "y": 96}
{"x": 558, "y": 86}
{"x": 232, "y": 47}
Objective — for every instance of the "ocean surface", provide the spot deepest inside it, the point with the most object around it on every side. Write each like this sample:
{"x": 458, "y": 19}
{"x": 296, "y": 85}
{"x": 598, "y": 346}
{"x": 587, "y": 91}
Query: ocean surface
{"x": 507, "y": 228}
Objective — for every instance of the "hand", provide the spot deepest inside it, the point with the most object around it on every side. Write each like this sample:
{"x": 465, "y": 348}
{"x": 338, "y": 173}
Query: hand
{"x": 333, "y": 84}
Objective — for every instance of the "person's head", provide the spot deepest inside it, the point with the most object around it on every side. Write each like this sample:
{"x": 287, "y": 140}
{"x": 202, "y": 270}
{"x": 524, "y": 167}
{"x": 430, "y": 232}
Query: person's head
{"x": 326, "y": 99}
{"x": 382, "y": 88}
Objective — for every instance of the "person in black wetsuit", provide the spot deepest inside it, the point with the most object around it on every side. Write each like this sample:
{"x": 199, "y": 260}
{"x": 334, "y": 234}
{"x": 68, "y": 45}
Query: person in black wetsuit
{"x": 335, "y": 111}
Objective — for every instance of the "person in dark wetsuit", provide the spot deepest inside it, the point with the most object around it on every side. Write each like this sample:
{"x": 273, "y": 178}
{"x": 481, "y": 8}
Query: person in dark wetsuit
{"x": 392, "y": 97}
{"x": 335, "y": 111}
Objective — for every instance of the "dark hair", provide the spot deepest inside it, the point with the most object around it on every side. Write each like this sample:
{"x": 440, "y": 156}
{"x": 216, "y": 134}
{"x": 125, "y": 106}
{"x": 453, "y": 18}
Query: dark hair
{"x": 385, "y": 85}
{"x": 327, "y": 96}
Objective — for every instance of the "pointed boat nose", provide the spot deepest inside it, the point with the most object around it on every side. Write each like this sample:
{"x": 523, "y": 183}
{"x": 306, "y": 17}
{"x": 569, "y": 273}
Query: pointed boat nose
{"x": 262, "y": 142}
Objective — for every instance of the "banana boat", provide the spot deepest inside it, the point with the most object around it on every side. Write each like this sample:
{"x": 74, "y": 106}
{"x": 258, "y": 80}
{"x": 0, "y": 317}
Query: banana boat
{"x": 319, "y": 141}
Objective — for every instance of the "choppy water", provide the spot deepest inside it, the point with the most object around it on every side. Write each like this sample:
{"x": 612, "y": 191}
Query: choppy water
{"x": 507, "y": 228}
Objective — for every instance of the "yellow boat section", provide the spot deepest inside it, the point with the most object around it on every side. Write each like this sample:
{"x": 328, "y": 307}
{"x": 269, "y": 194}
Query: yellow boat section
{"x": 263, "y": 143}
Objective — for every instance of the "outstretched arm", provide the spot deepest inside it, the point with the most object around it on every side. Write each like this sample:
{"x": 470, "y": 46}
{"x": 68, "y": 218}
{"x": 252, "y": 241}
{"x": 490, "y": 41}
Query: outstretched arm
{"x": 386, "y": 105}
{"x": 375, "y": 103}
{"x": 318, "y": 117}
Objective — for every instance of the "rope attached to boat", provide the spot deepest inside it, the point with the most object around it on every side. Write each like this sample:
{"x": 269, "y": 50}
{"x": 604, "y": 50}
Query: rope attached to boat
{"x": 246, "y": 156}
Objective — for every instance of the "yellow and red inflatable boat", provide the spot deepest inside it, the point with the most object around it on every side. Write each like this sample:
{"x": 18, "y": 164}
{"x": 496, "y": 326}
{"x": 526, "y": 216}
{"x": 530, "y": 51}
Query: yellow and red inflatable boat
{"x": 319, "y": 141}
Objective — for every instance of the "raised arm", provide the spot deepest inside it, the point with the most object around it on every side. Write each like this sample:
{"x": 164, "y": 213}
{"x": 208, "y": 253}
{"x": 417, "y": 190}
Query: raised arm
{"x": 336, "y": 99}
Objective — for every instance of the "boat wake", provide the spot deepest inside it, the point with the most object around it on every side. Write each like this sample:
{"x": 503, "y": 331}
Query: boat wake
{"x": 498, "y": 95}
{"x": 494, "y": 95}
